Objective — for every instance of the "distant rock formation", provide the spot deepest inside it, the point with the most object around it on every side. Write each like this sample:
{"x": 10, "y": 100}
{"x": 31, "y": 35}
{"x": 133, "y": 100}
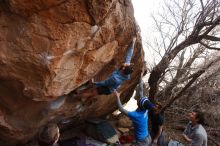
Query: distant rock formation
{"x": 50, "y": 48}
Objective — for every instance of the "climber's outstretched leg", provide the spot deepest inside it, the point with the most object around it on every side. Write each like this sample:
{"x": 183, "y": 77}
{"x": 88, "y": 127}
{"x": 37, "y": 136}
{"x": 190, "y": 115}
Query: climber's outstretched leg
{"x": 86, "y": 93}
{"x": 83, "y": 95}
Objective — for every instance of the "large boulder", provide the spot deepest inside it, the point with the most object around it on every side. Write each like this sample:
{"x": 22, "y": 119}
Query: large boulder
{"x": 49, "y": 48}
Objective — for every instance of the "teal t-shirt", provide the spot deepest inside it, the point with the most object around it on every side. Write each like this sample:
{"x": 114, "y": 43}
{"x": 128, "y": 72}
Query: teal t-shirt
{"x": 140, "y": 122}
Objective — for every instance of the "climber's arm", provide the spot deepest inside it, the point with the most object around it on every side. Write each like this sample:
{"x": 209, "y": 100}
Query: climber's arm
{"x": 120, "y": 106}
{"x": 130, "y": 52}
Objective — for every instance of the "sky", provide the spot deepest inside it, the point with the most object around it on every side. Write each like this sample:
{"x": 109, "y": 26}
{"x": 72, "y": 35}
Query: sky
{"x": 142, "y": 12}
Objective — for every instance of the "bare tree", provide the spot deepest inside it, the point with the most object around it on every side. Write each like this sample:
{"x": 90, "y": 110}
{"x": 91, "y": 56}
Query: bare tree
{"x": 189, "y": 70}
{"x": 186, "y": 26}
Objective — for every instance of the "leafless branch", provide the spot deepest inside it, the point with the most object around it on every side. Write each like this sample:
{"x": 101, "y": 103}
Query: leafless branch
{"x": 211, "y": 38}
{"x": 194, "y": 77}
{"x": 200, "y": 31}
{"x": 208, "y": 47}
{"x": 214, "y": 140}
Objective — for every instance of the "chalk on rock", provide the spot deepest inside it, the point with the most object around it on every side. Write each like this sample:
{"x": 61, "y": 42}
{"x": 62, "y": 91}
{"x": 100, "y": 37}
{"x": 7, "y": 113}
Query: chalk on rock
{"x": 94, "y": 28}
{"x": 56, "y": 104}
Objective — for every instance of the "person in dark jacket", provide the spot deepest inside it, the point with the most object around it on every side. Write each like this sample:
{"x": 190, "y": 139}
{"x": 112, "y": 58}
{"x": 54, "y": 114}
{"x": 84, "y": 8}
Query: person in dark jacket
{"x": 157, "y": 122}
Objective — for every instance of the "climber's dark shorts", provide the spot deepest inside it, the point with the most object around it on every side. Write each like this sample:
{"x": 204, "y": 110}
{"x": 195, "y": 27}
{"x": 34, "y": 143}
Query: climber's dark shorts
{"x": 103, "y": 90}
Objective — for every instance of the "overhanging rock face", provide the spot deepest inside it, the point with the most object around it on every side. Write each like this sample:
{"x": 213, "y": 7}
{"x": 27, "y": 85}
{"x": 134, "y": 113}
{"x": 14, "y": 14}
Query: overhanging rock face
{"x": 49, "y": 48}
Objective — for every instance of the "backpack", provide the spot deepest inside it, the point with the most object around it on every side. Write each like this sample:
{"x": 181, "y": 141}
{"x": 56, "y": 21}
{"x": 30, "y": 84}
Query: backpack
{"x": 174, "y": 143}
{"x": 101, "y": 130}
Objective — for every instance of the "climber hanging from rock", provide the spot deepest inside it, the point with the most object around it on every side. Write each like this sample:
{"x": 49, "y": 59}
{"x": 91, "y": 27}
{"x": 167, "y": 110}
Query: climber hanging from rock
{"x": 107, "y": 86}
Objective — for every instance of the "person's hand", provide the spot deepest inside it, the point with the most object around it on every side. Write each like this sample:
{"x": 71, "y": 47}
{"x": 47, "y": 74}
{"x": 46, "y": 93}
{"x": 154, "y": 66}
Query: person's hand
{"x": 142, "y": 72}
{"x": 155, "y": 141}
{"x": 126, "y": 64}
{"x": 134, "y": 39}
{"x": 187, "y": 138}
{"x": 91, "y": 81}
{"x": 116, "y": 93}
{"x": 138, "y": 32}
